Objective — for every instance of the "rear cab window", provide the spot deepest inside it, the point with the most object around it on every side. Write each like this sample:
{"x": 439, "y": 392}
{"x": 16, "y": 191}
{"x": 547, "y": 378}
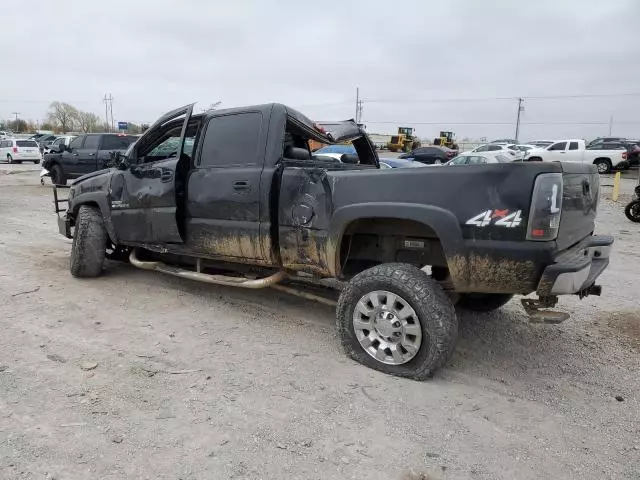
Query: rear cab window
{"x": 231, "y": 140}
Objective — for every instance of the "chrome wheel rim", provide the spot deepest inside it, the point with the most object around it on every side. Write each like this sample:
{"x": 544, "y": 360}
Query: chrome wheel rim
{"x": 387, "y": 327}
{"x": 437, "y": 162}
{"x": 602, "y": 167}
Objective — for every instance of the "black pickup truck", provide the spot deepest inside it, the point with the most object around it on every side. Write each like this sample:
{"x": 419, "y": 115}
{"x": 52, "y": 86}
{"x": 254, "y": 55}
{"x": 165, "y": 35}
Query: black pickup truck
{"x": 236, "y": 197}
{"x": 85, "y": 154}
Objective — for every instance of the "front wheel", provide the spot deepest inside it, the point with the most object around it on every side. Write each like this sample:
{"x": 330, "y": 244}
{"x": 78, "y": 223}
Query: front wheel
{"x": 396, "y": 319}
{"x": 483, "y": 302}
{"x": 632, "y": 211}
{"x": 89, "y": 243}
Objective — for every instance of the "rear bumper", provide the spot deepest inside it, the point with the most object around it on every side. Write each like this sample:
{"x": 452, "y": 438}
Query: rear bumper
{"x": 576, "y": 269}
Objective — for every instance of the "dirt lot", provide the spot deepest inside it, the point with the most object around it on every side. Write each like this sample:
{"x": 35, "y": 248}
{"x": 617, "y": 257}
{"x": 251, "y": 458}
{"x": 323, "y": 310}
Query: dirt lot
{"x": 200, "y": 382}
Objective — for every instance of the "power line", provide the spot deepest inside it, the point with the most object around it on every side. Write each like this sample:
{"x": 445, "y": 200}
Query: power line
{"x": 485, "y": 99}
{"x": 605, "y": 122}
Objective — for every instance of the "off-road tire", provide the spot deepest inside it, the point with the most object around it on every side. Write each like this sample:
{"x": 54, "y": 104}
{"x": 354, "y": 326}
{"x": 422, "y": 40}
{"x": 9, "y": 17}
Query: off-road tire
{"x": 632, "y": 211}
{"x": 89, "y": 243}
{"x": 433, "y": 307}
{"x": 57, "y": 175}
{"x": 603, "y": 161}
{"x": 483, "y": 302}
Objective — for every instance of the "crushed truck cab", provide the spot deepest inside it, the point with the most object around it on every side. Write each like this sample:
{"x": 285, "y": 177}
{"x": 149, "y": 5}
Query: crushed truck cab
{"x": 236, "y": 197}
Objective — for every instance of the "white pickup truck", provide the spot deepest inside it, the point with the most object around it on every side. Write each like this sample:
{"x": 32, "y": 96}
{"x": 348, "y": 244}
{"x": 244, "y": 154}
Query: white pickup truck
{"x": 575, "y": 151}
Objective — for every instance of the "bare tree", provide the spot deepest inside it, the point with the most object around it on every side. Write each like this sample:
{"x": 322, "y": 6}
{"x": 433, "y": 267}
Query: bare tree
{"x": 64, "y": 115}
{"x": 88, "y": 121}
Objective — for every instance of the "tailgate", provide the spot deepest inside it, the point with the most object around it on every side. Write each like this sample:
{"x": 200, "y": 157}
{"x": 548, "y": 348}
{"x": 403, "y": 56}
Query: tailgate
{"x": 580, "y": 195}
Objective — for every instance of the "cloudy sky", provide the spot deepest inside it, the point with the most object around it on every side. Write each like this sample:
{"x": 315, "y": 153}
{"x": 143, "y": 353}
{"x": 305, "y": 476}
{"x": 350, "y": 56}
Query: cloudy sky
{"x": 455, "y": 64}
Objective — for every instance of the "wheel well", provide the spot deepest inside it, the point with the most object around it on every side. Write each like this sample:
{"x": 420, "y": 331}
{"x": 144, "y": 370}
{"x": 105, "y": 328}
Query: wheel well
{"x": 535, "y": 159}
{"x": 605, "y": 159}
{"x": 371, "y": 241}
{"x": 74, "y": 213}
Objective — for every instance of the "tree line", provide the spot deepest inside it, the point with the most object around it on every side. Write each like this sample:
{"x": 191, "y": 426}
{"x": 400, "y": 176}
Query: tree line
{"x": 62, "y": 118}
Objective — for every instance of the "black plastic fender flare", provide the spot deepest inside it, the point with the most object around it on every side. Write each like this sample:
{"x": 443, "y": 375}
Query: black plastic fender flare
{"x": 443, "y": 222}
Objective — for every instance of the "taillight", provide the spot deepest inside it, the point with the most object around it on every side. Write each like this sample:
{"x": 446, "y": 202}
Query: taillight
{"x": 15, "y": 149}
{"x": 546, "y": 207}
{"x": 624, "y": 155}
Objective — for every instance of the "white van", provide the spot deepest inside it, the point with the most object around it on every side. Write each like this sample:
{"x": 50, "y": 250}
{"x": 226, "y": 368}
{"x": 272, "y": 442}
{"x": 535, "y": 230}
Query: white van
{"x": 15, "y": 150}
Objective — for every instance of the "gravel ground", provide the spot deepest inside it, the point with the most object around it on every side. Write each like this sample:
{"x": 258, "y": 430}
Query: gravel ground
{"x": 136, "y": 375}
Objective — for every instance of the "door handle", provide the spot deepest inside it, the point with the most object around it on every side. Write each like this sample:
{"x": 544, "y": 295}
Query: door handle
{"x": 563, "y": 152}
{"x": 241, "y": 185}
{"x": 74, "y": 154}
{"x": 92, "y": 154}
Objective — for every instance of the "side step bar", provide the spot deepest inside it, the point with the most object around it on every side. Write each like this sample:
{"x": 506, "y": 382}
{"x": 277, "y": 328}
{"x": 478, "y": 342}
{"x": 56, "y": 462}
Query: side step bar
{"x": 204, "y": 277}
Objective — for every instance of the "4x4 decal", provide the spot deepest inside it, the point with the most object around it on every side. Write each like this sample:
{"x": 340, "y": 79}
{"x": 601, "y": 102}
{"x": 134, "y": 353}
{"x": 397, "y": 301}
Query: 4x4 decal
{"x": 500, "y": 218}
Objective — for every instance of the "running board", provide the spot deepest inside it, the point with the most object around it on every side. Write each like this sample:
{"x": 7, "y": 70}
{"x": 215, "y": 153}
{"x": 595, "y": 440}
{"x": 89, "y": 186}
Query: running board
{"x": 204, "y": 277}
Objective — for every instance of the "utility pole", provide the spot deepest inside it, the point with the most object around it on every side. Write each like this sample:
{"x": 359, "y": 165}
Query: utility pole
{"x": 108, "y": 110}
{"x": 520, "y": 109}
{"x": 610, "y": 124}
{"x": 17, "y": 124}
{"x": 357, "y": 102}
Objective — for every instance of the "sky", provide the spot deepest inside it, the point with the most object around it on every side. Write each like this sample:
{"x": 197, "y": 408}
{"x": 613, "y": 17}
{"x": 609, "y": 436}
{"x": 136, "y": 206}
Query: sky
{"x": 455, "y": 65}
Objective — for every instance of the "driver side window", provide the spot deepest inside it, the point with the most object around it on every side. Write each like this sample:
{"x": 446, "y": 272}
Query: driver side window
{"x": 76, "y": 142}
{"x": 166, "y": 146}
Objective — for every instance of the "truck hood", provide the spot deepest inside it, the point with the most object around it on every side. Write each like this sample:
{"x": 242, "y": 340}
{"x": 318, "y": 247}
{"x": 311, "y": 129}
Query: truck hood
{"x": 90, "y": 175}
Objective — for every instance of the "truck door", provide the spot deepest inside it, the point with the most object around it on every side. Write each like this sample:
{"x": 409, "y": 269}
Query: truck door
{"x": 145, "y": 196}
{"x": 87, "y": 154}
{"x": 70, "y": 158}
{"x": 224, "y": 200}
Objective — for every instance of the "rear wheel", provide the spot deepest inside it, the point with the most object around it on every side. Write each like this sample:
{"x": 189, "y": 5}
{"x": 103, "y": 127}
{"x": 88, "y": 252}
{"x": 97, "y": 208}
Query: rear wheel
{"x": 603, "y": 165}
{"x": 9, "y": 158}
{"x": 89, "y": 243}
{"x": 57, "y": 175}
{"x": 483, "y": 302}
{"x": 632, "y": 211}
{"x": 396, "y": 319}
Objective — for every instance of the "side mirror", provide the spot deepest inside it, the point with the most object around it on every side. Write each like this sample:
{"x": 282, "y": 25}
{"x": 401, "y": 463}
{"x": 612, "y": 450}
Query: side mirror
{"x": 350, "y": 158}
{"x": 119, "y": 161}
{"x": 61, "y": 147}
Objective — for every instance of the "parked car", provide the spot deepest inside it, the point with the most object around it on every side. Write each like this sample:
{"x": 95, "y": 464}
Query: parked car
{"x": 601, "y": 140}
{"x": 507, "y": 149}
{"x": 541, "y": 143}
{"x": 84, "y": 154}
{"x": 17, "y": 150}
{"x": 471, "y": 158}
{"x": 430, "y": 155}
{"x": 575, "y": 151}
{"x": 251, "y": 200}
{"x": 61, "y": 140}
{"x": 399, "y": 163}
{"x": 524, "y": 147}
{"x": 45, "y": 141}
{"x": 3, "y": 134}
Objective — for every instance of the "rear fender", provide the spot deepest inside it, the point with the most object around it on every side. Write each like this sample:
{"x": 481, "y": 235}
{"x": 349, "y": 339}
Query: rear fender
{"x": 442, "y": 221}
